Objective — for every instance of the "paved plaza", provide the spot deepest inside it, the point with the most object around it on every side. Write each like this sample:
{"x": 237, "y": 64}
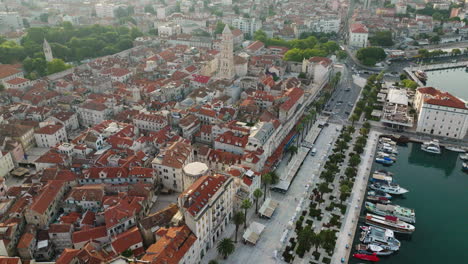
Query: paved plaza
{"x": 269, "y": 247}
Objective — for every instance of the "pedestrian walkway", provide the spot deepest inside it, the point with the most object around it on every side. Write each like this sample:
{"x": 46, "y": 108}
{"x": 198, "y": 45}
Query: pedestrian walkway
{"x": 346, "y": 235}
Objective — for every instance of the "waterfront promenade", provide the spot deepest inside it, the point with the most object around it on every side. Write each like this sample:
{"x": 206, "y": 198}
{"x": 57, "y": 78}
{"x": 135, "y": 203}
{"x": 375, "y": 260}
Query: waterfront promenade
{"x": 347, "y": 231}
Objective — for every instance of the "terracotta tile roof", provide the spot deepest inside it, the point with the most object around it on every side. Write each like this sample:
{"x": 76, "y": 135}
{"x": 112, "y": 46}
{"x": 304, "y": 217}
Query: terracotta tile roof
{"x": 321, "y": 60}
{"x": 89, "y": 234}
{"x": 10, "y": 260}
{"x": 88, "y": 218}
{"x": 93, "y": 193}
{"x": 200, "y": 78}
{"x": 48, "y": 195}
{"x": 49, "y": 129}
{"x": 201, "y": 191}
{"x": 64, "y": 116}
{"x": 94, "y": 106}
{"x": 126, "y": 207}
{"x": 176, "y": 155}
{"x": 437, "y": 97}
{"x": 8, "y": 70}
{"x": 17, "y": 80}
{"x": 358, "y": 28}
{"x": 67, "y": 256}
{"x": 153, "y": 117}
{"x": 52, "y": 157}
{"x": 159, "y": 218}
{"x": 60, "y": 228}
{"x": 255, "y": 46}
{"x": 128, "y": 239}
{"x": 294, "y": 95}
{"x": 229, "y": 138}
{"x": 25, "y": 241}
{"x": 174, "y": 243}
{"x": 207, "y": 112}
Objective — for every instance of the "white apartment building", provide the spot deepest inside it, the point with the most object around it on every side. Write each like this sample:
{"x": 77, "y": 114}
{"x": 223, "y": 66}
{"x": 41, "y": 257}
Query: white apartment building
{"x": 440, "y": 113}
{"x": 207, "y": 206}
{"x": 6, "y": 163}
{"x": 50, "y": 135}
{"x": 150, "y": 122}
{"x": 247, "y": 25}
{"x": 326, "y": 24}
{"x": 358, "y": 35}
{"x": 168, "y": 165}
{"x": 10, "y": 21}
{"x": 92, "y": 113}
{"x": 169, "y": 29}
{"x": 318, "y": 68}
{"x": 105, "y": 9}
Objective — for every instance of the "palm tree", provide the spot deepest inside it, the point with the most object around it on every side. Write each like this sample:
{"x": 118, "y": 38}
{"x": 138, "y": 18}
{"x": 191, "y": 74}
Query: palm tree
{"x": 292, "y": 150}
{"x": 299, "y": 130}
{"x": 246, "y": 205}
{"x": 354, "y": 118}
{"x": 323, "y": 188}
{"x": 315, "y": 240}
{"x": 226, "y": 247}
{"x": 267, "y": 179}
{"x": 238, "y": 219}
{"x": 257, "y": 194}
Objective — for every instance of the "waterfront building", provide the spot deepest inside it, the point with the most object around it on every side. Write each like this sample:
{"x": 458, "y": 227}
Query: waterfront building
{"x": 207, "y": 206}
{"x": 441, "y": 113}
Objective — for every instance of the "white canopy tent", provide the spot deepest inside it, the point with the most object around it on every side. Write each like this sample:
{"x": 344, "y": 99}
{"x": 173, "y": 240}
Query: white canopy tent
{"x": 268, "y": 208}
{"x": 253, "y": 232}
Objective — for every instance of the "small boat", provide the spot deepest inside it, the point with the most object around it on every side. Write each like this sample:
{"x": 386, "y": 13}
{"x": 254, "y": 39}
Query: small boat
{"x": 405, "y": 214}
{"x": 387, "y": 141}
{"x": 383, "y": 172}
{"x": 384, "y": 160}
{"x": 390, "y": 222}
{"x": 465, "y": 166}
{"x": 386, "y": 155}
{"x": 391, "y": 188}
{"x": 373, "y": 248}
{"x": 364, "y": 228}
{"x": 387, "y": 148}
{"x": 455, "y": 149}
{"x": 382, "y": 237}
{"x": 464, "y": 157}
{"x": 373, "y": 257}
{"x": 381, "y": 178}
{"x": 379, "y": 193}
{"x": 431, "y": 146}
{"x": 421, "y": 75}
{"x": 378, "y": 199}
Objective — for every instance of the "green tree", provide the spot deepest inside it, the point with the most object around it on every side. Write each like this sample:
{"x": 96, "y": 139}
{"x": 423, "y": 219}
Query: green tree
{"x": 26, "y": 23}
{"x": 260, "y": 35}
{"x": 56, "y": 65}
{"x": 434, "y": 39}
{"x": 382, "y": 38}
{"x": 150, "y": 9}
{"x": 226, "y": 247}
{"x": 341, "y": 54}
{"x": 354, "y": 160}
{"x": 323, "y": 188}
{"x": 2, "y": 87}
{"x": 238, "y": 220}
{"x": 246, "y": 205}
{"x": 456, "y": 52}
{"x": 315, "y": 240}
{"x": 409, "y": 84}
{"x": 44, "y": 17}
{"x": 371, "y": 55}
{"x": 354, "y": 118}
{"x": 257, "y": 195}
{"x": 267, "y": 179}
{"x": 127, "y": 253}
{"x": 213, "y": 261}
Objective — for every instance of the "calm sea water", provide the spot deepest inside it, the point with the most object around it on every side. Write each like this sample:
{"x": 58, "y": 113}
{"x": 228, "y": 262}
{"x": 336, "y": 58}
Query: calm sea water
{"x": 454, "y": 81}
{"x": 439, "y": 194}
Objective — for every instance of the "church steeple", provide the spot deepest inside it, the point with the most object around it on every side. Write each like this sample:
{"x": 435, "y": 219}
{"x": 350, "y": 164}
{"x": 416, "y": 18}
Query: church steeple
{"x": 226, "y": 63}
{"x": 47, "y": 51}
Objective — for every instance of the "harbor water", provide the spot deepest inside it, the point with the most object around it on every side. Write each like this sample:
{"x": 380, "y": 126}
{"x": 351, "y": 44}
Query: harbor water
{"x": 439, "y": 194}
{"x": 453, "y": 81}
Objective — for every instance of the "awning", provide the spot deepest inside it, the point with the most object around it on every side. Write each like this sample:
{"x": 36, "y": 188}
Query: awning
{"x": 253, "y": 232}
{"x": 268, "y": 208}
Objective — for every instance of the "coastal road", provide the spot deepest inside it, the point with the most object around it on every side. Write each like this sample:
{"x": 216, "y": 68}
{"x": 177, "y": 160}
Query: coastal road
{"x": 344, "y": 97}
{"x": 346, "y": 234}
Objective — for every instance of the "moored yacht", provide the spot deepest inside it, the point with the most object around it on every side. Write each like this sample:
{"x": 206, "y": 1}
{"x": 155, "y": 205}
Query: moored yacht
{"x": 390, "y": 222}
{"x": 382, "y": 237}
{"x": 464, "y": 157}
{"x": 391, "y": 188}
{"x": 405, "y": 214}
{"x": 373, "y": 248}
{"x": 431, "y": 146}
{"x": 378, "y": 193}
{"x": 381, "y": 178}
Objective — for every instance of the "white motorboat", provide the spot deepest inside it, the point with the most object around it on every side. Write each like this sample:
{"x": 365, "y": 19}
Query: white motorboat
{"x": 390, "y": 222}
{"x": 464, "y": 157}
{"x": 431, "y": 146}
{"x": 455, "y": 149}
{"x": 391, "y": 188}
